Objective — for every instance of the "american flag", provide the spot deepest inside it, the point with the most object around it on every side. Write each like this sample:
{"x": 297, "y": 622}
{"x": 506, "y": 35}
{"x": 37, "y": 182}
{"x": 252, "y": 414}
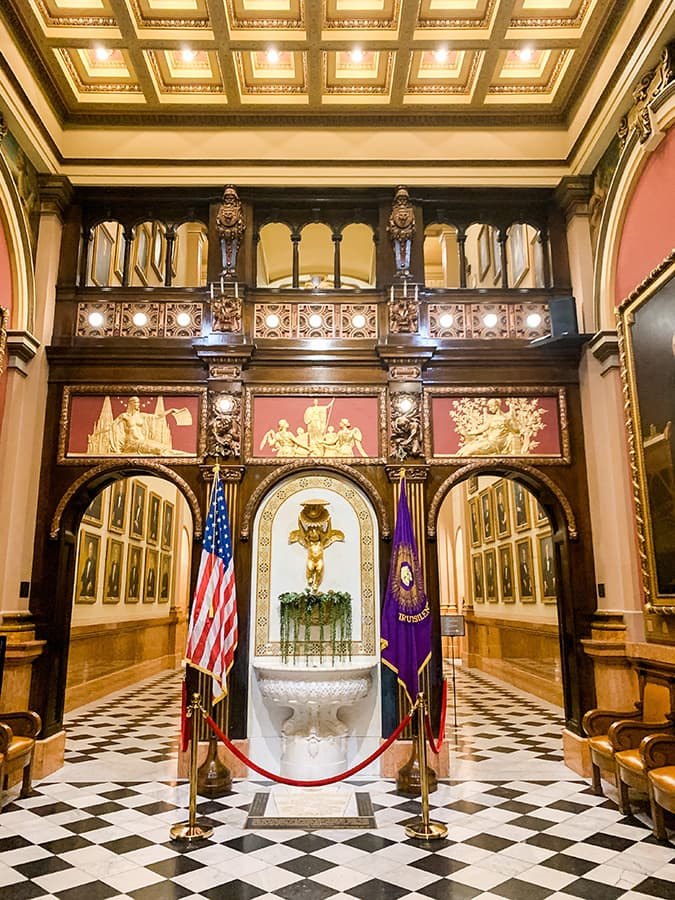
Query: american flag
{"x": 212, "y": 635}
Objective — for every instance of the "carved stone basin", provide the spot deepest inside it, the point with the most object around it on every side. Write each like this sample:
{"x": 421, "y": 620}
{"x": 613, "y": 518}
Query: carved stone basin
{"x": 314, "y": 737}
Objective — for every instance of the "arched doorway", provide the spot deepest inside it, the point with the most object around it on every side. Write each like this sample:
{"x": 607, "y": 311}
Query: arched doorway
{"x": 131, "y": 587}
{"x": 503, "y": 579}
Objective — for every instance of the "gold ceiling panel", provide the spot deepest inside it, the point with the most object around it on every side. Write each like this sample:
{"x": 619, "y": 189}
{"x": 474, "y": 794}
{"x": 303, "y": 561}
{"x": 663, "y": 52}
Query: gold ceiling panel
{"x": 551, "y": 13}
{"x": 73, "y": 14}
{"x": 537, "y": 77}
{"x": 89, "y": 73}
{"x": 178, "y": 73}
{"x": 380, "y": 18}
{"x": 247, "y": 18}
{"x": 447, "y": 72}
{"x": 193, "y": 14}
{"x": 455, "y": 14}
{"x": 362, "y": 77}
{"x": 282, "y": 79}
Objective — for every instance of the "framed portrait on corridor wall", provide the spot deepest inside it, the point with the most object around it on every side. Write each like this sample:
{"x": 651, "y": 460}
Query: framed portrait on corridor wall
{"x": 86, "y": 585}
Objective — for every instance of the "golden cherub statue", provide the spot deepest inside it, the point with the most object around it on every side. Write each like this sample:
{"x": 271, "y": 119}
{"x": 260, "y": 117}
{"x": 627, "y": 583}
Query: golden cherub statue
{"x": 315, "y": 533}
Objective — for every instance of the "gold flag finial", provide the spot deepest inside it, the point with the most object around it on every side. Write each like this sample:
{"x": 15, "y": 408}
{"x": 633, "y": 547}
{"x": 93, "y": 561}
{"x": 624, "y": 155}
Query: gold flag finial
{"x": 401, "y": 473}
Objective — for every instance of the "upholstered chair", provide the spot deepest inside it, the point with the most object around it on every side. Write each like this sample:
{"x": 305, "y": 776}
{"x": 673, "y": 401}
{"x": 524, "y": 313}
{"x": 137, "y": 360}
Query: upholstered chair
{"x": 658, "y": 757}
{"x": 18, "y": 731}
{"x": 611, "y": 732}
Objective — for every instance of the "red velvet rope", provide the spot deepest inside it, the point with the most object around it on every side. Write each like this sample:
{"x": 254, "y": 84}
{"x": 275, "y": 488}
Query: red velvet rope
{"x": 437, "y": 745}
{"x": 241, "y": 756}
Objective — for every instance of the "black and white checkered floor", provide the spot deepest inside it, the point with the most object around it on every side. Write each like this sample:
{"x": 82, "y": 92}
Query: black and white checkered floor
{"x": 520, "y": 824}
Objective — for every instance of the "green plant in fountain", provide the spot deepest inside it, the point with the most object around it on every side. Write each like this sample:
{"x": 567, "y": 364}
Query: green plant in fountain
{"x": 329, "y": 611}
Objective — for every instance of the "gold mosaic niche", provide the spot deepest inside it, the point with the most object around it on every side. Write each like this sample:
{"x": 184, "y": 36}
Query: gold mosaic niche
{"x": 364, "y": 647}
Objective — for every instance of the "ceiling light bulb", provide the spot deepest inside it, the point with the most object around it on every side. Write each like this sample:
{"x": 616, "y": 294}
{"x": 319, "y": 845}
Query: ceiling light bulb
{"x": 358, "y": 320}
{"x": 356, "y": 55}
{"x": 315, "y": 320}
{"x": 272, "y": 320}
{"x": 140, "y": 319}
{"x": 188, "y": 55}
{"x": 490, "y": 320}
{"x": 405, "y": 404}
{"x": 272, "y": 55}
{"x": 525, "y": 54}
{"x": 441, "y": 54}
{"x": 103, "y": 53}
{"x": 183, "y": 319}
{"x": 447, "y": 319}
{"x": 96, "y": 319}
{"x": 533, "y": 320}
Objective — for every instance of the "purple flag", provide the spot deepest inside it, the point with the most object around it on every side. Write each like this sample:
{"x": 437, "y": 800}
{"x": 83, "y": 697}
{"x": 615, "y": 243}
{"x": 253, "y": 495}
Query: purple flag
{"x": 406, "y": 622}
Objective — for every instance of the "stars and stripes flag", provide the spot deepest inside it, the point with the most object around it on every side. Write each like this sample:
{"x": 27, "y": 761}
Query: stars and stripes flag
{"x": 212, "y": 633}
{"x": 406, "y": 622}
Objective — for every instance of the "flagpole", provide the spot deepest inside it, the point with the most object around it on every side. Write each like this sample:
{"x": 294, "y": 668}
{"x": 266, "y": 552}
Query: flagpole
{"x": 423, "y": 829}
{"x": 190, "y": 830}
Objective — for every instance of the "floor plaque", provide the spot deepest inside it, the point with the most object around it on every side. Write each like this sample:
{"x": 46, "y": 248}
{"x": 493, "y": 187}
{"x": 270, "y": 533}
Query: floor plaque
{"x": 311, "y": 809}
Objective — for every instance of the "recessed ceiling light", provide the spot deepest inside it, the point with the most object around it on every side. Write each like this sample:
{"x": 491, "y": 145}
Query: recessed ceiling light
{"x": 358, "y": 320}
{"x": 140, "y": 319}
{"x": 102, "y": 53}
{"x": 188, "y": 55}
{"x": 356, "y": 55}
{"x": 315, "y": 320}
{"x": 533, "y": 320}
{"x": 96, "y": 319}
{"x": 525, "y": 54}
{"x": 272, "y": 320}
{"x": 489, "y": 320}
{"x": 441, "y": 54}
{"x": 272, "y": 55}
{"x": 183, "y": 319}
{"x": 405, "y": 404}
{"x": 447, "y": 319}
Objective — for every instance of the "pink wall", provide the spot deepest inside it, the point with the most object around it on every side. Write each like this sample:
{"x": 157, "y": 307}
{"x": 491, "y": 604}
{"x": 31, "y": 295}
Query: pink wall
{"x": 6, "y": 301}
{"x": 648, "y": 234}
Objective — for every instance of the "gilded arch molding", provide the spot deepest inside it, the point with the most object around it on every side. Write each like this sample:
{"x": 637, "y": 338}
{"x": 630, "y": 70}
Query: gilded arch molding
{"x": 487, "y": 467}
{"x": 15, "y": 227}
{"x": 130, "y": 466}
{"x": 632, "y": 161}
{"x": 349, "y": 472}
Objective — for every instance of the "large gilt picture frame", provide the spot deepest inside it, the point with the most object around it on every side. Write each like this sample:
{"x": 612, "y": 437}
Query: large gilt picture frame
{"x": 290, "y": 423}
{"x": 646, "y": 327}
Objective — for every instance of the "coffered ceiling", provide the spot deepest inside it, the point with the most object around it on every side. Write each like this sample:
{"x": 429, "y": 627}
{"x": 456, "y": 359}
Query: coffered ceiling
{"x": 299, "y": 64}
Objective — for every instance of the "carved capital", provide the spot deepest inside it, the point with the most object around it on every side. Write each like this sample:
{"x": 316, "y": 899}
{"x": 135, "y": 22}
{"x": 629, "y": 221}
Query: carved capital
{"x": 56, "y": 195}
{"x": 573, "y": 195}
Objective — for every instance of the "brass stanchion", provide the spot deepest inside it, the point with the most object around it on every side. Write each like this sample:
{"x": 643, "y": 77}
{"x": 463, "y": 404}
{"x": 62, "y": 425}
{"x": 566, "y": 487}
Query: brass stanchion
{"x": 422, "y": 829}
{"x": 190, "y": 830}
